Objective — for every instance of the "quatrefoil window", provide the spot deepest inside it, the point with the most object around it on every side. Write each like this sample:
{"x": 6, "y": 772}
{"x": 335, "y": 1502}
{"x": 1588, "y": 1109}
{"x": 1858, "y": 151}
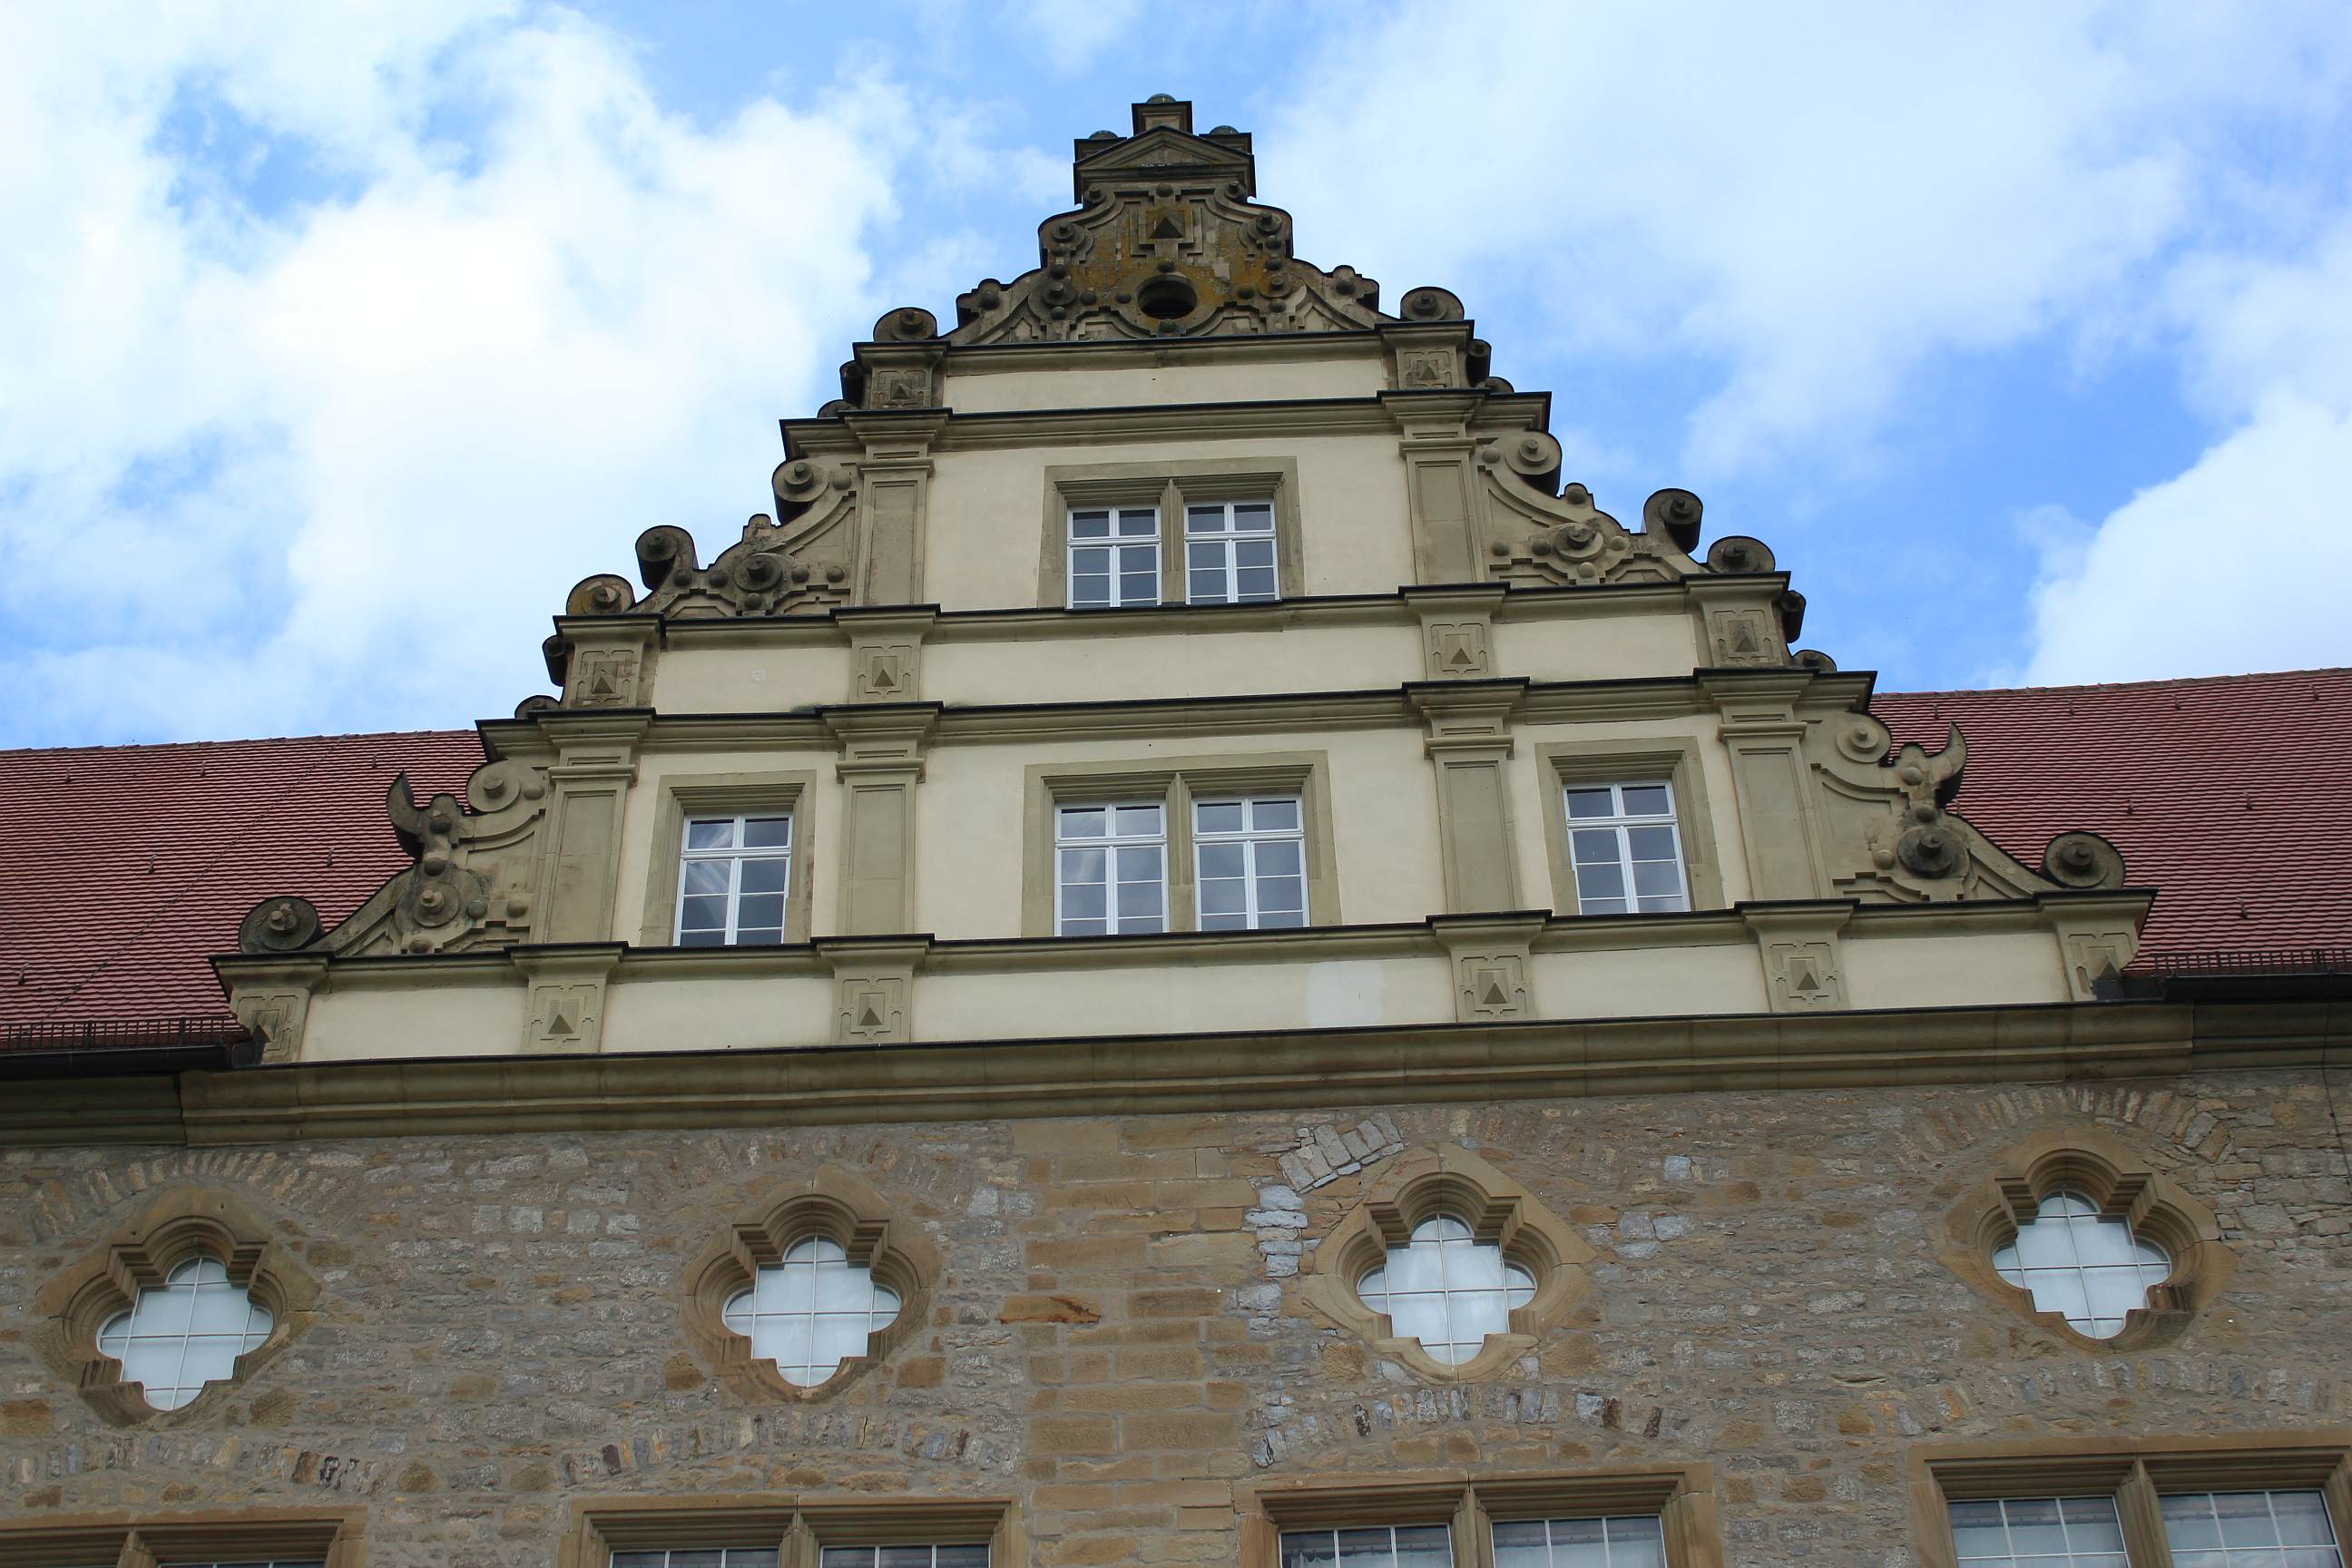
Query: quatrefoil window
{"x": 812, "y": 1311}
{"x": 2086, "y": 1267}
{"x": 1447, "y": 1288}
{"x": 185, "y": 1332}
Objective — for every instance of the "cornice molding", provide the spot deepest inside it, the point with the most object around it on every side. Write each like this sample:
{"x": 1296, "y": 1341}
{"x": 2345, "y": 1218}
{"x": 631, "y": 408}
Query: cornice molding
{"x": 1434, "y": 1063}
{"x": 1486, "y": 412}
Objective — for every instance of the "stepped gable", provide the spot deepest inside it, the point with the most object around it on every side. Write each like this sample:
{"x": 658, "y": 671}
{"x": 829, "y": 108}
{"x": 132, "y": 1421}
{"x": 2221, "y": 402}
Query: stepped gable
{"x": 2227, "y": 795}
{"x": 122, "y": 869}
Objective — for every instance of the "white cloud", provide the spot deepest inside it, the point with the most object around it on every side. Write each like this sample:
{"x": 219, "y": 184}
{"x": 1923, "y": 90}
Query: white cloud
{"x": 269, "y": 467}
{"x": 2241, "y": 564}
{"x": 1072, "y": 33}
{"x": 1817, "y": 199}
{"x": 2241, "y": 561}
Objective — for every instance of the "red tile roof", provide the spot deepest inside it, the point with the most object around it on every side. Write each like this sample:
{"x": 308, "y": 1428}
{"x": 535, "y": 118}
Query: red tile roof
{"x": 123, "y": 869}
{"x": 2229, "y": 796}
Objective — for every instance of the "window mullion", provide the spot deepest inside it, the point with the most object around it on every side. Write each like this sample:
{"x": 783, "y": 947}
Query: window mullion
{"x": 2143, "y": 1520}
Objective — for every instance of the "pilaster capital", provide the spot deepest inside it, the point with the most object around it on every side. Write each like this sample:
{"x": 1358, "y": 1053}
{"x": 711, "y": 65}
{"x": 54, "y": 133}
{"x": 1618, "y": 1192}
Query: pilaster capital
{"x": 882, "y": 738}
{"x": 874, "y": 986}
{"x": 1472, "y": 715}
{"x": 564, "y": 1009}
{"x": 885, "y": 651}
{"x": 1799, "y": 943}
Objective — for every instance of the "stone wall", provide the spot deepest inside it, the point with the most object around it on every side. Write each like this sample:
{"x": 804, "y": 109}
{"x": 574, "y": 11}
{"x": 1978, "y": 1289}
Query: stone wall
{"x": 1118, "y": 1338}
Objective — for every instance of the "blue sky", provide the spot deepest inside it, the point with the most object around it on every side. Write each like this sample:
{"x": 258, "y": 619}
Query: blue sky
{"x": 343, "y": 341}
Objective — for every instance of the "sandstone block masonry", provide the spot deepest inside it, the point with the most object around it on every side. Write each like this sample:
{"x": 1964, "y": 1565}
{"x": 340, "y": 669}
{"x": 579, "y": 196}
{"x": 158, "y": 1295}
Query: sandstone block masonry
{"x": 1117, "y": 1339}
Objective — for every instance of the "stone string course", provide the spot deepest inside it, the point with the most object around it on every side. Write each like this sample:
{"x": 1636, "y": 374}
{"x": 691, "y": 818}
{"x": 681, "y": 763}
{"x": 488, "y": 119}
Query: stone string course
{"x": 1118, "y": 1338}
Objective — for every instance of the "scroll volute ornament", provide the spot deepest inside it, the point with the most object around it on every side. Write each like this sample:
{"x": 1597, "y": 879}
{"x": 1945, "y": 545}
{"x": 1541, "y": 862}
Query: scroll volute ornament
{"x": 175, "y": 1225}
{"x": 836, "y": 1204}
{"x": 1446, "y": 1179}
{"x": 472, "y": 883}
{"x": 2119, "y": 1181}
{"x": 1541, "y": 534}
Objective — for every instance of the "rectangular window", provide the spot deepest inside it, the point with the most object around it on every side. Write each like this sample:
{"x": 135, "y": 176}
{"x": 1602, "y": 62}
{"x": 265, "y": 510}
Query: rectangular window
{"x": 2038, "y": 1532}
{"x": 1625, "y": 848}
{"x": 2249, "y": 1529}
{"x": 734, "y": 873}
{"x": 1379, "y": 1546}
{"x": 1114, "y": 556}
{"x": 1229, "y": 553}
{"x": 1626, "y": 1541}
{"x": 969, "y": 1556}
{"x": 1250, "y": 859}
{"x": 700, "y": 1557}
{"x": 1110, "y": 869}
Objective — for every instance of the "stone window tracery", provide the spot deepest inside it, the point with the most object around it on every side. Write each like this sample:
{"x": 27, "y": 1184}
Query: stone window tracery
{"x": 2074, "y": 1232}
{"x": 1447, "y": 1288}
{"x": 185, "y": 1332}
{"x": 2082, "y": 1265}
{"x": 811, "y": 1311}
{"x": 192, "y": 1296}
{"x": 810, "y": 1290}
{"x": 1448, "y": 1267}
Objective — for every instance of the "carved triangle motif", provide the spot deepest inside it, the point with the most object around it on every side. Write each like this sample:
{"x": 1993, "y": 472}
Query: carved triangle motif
{"x": 1494, "y": 995}
{"x": 867, "y": 1017}
{"x": 559, "y": 1026}
{"x": 1801, "y": 977}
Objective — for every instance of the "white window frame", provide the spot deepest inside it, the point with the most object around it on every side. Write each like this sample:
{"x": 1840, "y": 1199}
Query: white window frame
{"x": 1282, "y": 1546}
{"x": 1621, "y": 822}
{"x": 812, "y": 1257}
{"x": 848, "y": 1556}
{"x": 1117, "y": 543}
{"x": 1110, "y": 843}
{"x": 1434, "y": 1236}
{"x": 1226, "y": 537}
{"x": 2234, "y": 1554}
{"x": 1554, "y": 1549}
{"x": 2071, "y": 1213}
{"x": 734, "y": 855}
{"x": 1251, "y": 838}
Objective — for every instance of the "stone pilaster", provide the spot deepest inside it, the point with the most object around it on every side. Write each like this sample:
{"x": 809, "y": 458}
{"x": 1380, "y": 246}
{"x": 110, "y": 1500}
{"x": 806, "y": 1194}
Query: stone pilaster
{"x": 886, "y": 652}
{"x": 580, "y": 856}
{"x": 1491, "y": 965}
{"x": 1804, "y": 965}
{"x": 1469, "y": 743}
{"x": 1457, "y": 630}
{"x": 894, "y": 488}
{"x": 1441, "y": 495}
{"x": 873, "y": 989}
{"x": 564, "y": 1010}
{"x": 1778, "y": 825}
{"x": 881, "y": 762}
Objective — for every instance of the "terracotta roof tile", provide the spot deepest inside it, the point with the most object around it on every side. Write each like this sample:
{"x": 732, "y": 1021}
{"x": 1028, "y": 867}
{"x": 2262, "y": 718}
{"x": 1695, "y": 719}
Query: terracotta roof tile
{"x": 123, "y": 869}
{"x": 2229, "y": 796}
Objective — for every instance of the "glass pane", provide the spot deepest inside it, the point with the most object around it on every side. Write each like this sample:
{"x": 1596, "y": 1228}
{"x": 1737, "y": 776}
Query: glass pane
{"x": 2091, "y": 1523}
{"x": 1222, "y": 896}
{"x": 905, "y": 1557}
{"x": 1279, "y": 893}
{"x": 1257, "y": 581}
{"x": 1139, "y": 521}
{"x": 761, "y": 909}
{"x": 1222, "y": 860}
{"x": 1276, "y": 815}
{"x": 1308, "y": 1549}
{"x": 765, "y": 876}
{"x": 1278, "y": 858}
{"x": 1590, "y": 803}
{"x": 702, "y": 914}
{"x": 704, "y": 876}
{"x": 2302, "y": 1519}
{"x": 1648, "y": 800}
{"x": 1519, "y": 1543}
{"x": 1595, "y": 845}
{"x": 1600, "y": 882}
{"x": 1651, "y": 843}
{"x": 1138, "y": 820}
{"x": 1205, "y": 587}
{"x": 1089, "y": 524}
{"x": 1366, "y": 1548}
{"x": 1090, "y": 561}
{"x": 1083, "y": 821}
{"x": 1271, "y": 919}
{"x": 1083, "y": 901}
{"x": 767, "y": 832}
{"x": 1254, "y": 516}
{"x": 1204, "y": 519}
{"x": 1217, "y": 815}
{"x": 1084, "y": 866}
{"x": 1205, "y": 555}
{"x": 970, "y": 1556}
{"x": 1423, "y": 1546}
{"x": 1139, "y": 863}
{"x": 1138, "y": 898}
{"x": 717, "y": 834}
{"x": 2245, "y": 1519}
{"x": 1656, "y": 878}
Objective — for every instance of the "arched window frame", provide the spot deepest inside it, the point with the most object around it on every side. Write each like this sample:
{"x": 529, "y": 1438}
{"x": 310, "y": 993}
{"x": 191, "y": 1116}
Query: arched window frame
{"x": 178, "y": 1225}
{"x": 2121, "y": 1184}
{"x": 833, "y": 1204}
{"x": 1446, "y": 1179}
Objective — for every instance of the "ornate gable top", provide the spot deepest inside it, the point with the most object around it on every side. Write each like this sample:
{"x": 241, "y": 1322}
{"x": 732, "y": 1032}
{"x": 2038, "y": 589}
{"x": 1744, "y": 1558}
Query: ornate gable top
{"x": 1169, "y": 240}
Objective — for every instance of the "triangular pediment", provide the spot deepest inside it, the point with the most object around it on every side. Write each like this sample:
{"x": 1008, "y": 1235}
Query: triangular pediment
{"x": 1161, "y": 151}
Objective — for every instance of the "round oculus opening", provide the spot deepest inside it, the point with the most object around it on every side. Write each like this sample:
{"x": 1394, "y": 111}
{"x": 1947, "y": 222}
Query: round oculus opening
{"x": 1167, "y": 298}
